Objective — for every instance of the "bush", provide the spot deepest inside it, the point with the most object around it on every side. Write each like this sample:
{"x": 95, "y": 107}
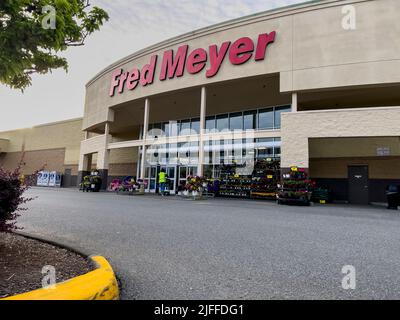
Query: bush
{"x": 11, "y": 198}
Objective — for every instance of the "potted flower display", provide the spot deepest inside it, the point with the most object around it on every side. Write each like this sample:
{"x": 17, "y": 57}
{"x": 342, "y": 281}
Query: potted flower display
{"x": 194, "y": 188}
{"x": 130, "y": 186}
{"x": 295, "y": 188}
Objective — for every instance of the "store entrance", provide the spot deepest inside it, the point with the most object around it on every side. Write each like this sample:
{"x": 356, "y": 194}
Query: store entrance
{"x": 153, "y": 185}
{"x": 184, "y": 172}
{"x": 176, "y": 174}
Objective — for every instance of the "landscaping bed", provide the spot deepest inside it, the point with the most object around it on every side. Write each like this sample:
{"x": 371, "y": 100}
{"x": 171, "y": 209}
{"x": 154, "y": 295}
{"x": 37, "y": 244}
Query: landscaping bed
{"x": 22, "y": 261}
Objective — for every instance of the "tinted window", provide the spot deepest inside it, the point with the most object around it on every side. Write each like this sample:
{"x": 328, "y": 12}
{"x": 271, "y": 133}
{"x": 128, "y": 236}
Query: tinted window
{"x": 210, "y": 123}
{"x": 278, "y": 115}
{"x": 196, "y": 125}
{"x": 265, "y": 148}
{"x": 166, "y": 128}
{"x": 222, "y": 122}
{"x": 236, "y": 121}
{"x": 174, "y": 128}
{"x": 185, "y": 127}
{"x": 266, "y": 119}
{"x": 249, "y": 120}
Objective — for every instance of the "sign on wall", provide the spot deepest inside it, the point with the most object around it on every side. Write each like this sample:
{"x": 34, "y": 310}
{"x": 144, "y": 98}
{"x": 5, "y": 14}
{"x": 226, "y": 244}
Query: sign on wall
{"x": 192, "y": 62}
{"x": 54, "y": 179}
{"x": 43, "y": 178}
{"x": 383, "y": 152}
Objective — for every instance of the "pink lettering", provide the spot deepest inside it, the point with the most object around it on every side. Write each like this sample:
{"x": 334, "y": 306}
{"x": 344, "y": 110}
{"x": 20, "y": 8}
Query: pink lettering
{"x": 172, "y": 67}
{"x": 197, "y": 61}
{"x": 148, "y": 72}
{"x": 216, "y": 58}
{"x": 263, "y": 41}
{"x": 241, "y": 51}
{"x": 115, "y": 81}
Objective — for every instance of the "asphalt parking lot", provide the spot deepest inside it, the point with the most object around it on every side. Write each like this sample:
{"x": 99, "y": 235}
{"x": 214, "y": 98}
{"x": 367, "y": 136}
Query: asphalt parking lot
{"x": 168, "y": 248}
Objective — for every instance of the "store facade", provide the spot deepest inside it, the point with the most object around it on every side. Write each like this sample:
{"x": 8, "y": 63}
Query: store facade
{"x": 294, "y": 85}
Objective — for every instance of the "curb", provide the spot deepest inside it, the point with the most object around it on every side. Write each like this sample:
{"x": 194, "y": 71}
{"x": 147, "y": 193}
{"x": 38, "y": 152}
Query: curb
{"x": 99, "y": 284}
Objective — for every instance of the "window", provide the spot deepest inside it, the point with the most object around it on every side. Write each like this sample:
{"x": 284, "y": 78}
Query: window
{"x": 185, "y": 127}
{"x": 210, "y": 124}
{"x": 174, "y": 129}
{"x": 183, "y": 173}
{"x": 222, "y": 122}
{"x": 236, "y": 121}
{"x": 173, "y": 154}
{"x": 221, "y": 151}
{"x": 194, "y": 152}
{"x": 266, "y": 119}
{"x": 208, "y": 171}
{"x": 249, "y": 120}
{"x": 184, "y": 152}
{"x": 277, "y": 147}
{"x": 237, "y": 152}
{"x": 196, "y": 125}
{"x": 156, "y": 130}
{"x": 278, "y": 115}
{"x": 265, "y": 148}
{"x": 166, "y": 129}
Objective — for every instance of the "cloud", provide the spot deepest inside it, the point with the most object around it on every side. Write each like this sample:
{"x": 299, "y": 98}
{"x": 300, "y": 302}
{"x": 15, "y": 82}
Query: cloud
{"x": 134, "y": 24}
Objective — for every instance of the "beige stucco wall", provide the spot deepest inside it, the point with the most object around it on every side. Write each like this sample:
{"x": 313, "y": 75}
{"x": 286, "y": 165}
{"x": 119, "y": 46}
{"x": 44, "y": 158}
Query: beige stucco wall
{"x": 337, "y": 168}
{"x": 61, "y": 135}
{"x": 57, "y": 146}
{"x": 4, "y": 145}
{"x": 352, "y": 147}
{"x": 311, "y": 51}
{"x": 298, "y": 127}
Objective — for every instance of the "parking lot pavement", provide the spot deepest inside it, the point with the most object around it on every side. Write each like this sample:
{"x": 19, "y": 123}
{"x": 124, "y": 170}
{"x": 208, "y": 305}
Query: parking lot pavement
{"x": 167, "y": 248}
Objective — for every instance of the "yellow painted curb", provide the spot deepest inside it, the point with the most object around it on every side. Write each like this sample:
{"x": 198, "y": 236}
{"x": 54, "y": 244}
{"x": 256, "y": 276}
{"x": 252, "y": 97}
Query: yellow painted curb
{"x": 99, "y": 284}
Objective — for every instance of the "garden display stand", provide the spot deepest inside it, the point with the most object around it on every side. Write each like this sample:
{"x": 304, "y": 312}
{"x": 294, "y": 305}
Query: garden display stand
{"x": 295, "y": 188}
{"x": 233, "y": 185}
{"x": 262, "y": 184}
{"x": 130, "y": 187}
{"x": 265, "y": 179}
{"x": 91, "y": 183}
{"x": 194, "y": 188}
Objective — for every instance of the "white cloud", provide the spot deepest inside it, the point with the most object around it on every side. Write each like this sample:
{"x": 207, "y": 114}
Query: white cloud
{"x": 133, "y": 25}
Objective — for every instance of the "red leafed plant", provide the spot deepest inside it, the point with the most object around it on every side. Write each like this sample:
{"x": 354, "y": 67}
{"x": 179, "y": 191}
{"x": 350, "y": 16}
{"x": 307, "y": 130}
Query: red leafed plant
{"x": 11, "y": 198}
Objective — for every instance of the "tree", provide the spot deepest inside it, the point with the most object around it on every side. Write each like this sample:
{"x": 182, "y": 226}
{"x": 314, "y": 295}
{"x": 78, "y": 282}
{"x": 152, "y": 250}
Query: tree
{"x": 34, "y": 32}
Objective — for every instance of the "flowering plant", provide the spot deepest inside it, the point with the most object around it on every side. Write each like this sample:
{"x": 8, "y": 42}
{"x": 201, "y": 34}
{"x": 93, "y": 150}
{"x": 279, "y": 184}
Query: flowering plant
{"x": 11, "y": 198}
{"x": 194, "y": 183}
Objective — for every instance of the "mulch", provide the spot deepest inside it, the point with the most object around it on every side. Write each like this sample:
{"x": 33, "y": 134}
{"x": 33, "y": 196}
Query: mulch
{"x": 22, "y": 261}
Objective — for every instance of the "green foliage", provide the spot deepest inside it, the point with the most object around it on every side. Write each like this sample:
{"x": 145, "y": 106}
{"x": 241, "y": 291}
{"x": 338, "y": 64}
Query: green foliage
{"x": 26, "y": 47}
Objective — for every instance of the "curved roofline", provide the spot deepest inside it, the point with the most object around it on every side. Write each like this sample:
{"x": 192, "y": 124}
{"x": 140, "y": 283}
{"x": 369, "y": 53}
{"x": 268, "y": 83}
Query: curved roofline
{"x": 264, "y": 15}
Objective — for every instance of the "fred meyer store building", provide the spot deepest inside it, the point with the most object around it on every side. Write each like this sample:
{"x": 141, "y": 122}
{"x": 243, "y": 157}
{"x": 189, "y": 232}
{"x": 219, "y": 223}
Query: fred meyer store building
{"x": 299, "y": 84}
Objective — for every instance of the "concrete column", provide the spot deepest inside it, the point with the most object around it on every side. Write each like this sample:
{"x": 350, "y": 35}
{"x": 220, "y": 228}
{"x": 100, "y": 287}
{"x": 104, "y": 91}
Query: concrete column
{"x": 203, "y": 110}
{"x": 294, "y": 102}
{"x": 103, "y": 159}
{"x": 85, "y": 166}
{"x": 145, "y": 131}
{"x": 107, "y": 129}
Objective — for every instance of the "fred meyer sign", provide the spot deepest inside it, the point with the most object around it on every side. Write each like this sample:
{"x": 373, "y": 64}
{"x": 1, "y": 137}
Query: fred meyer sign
{"x": 194, "y": 62}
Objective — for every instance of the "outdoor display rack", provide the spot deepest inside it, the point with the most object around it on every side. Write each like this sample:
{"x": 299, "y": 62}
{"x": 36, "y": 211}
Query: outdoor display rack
{"x": 262, "y": 184}
{"x": 266, "y": 176}
{"x": 295, "y": 188}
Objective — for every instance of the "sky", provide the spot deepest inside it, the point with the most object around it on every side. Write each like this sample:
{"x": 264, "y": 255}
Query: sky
{"x": 133, "y": 25}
